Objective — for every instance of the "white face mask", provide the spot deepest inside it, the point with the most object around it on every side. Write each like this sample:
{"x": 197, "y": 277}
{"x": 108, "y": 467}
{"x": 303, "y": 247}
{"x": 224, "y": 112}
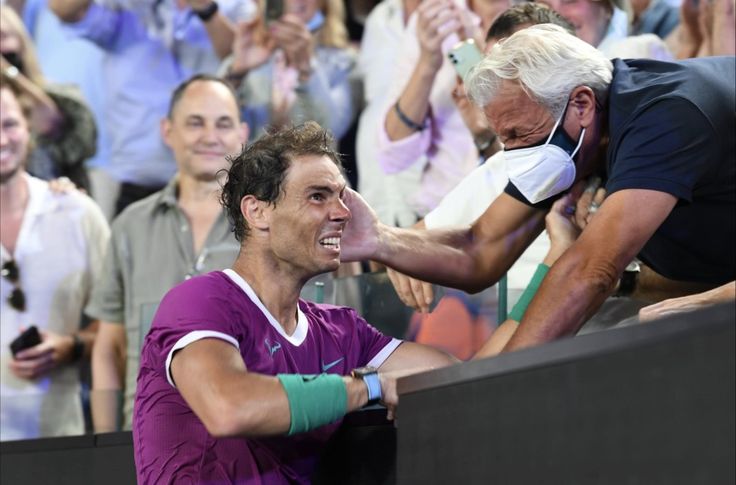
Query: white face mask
{"x": 540, "y": 172}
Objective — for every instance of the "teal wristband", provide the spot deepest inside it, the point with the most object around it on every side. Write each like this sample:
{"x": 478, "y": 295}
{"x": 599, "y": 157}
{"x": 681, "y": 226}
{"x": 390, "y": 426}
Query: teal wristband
{"x": 520, "y": 308}
{"x": 314, "y": 400}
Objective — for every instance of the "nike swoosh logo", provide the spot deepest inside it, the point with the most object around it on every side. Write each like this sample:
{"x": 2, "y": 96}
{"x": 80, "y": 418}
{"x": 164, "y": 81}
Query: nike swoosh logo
{"x": 326, "y": 367}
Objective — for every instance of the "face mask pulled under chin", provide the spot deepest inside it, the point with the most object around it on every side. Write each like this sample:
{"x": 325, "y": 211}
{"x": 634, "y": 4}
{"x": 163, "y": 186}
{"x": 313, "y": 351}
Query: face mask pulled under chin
{"x": 541, "y": 172}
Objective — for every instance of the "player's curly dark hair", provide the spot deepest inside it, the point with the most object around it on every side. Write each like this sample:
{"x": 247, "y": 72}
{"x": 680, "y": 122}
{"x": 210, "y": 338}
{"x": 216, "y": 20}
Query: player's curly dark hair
{"x": 261, "y": 167}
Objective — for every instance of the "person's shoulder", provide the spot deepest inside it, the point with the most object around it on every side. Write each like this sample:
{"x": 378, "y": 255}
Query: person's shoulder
{"x": 211, "y": 282}
{"x": 140, "y": 211}
{"x": 72, "y": 200}
{"x": 198, "y": 288}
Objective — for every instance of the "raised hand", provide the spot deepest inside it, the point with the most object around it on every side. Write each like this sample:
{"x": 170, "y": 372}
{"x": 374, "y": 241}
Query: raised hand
{"x": 291, "y": 35}
{"x": 561, "y": 227}
{"x": 589, "y": 202}
{"x": 436, "y": 20}
{"x": 360, "y": 237}
{"x": 414, "y": 293}
{"x": 249, "y": 51}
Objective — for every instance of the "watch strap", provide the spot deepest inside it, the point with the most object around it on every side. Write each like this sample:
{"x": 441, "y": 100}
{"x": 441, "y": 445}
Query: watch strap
{"x": 208, "y": 12}
{"x": 369, "y": 375}
{"x": 77, "y": 348}
{"x": 374, "y": 387}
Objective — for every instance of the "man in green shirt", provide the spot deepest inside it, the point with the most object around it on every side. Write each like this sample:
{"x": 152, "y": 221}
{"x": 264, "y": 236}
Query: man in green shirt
{"x": 164, "y": 239}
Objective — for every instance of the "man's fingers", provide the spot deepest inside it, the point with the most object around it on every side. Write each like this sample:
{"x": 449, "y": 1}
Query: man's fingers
{"x": 34, "y": 352}
{"x": 32, "y": 368}
{"x": 600, "y": 196}
{"x": 403, "y": 288}
{"x": 422, "y": 294}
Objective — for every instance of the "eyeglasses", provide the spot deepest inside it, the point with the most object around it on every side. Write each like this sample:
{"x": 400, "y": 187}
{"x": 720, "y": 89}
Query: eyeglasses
{"x": 17, "y": 298}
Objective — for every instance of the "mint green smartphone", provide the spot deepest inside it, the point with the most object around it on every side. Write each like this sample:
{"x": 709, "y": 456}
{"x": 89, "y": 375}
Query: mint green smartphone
{"x": 463, "y": 56}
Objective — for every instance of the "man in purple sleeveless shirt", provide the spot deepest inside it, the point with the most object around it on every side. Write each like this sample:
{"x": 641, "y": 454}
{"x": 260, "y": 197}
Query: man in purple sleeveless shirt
{"x": 240, "y": 380}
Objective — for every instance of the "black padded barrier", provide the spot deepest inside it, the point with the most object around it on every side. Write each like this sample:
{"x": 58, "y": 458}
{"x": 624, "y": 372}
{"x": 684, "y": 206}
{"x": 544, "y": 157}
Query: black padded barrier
{"x": 362, "y": 452}
{"x": 647, "y": 404}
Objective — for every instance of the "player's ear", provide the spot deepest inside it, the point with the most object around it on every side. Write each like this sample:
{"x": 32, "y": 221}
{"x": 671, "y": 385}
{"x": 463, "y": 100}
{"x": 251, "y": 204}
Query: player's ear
{"x": 256, "y": 212}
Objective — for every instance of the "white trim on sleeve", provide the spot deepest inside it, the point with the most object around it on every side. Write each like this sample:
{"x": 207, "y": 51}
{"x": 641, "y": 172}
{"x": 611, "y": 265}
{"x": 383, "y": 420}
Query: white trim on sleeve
{"x": 378, "y": 359}
{"x": 192, "y": 337}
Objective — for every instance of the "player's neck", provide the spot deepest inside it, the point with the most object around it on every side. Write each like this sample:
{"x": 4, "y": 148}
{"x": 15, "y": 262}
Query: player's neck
{"x": 278, "y": 294}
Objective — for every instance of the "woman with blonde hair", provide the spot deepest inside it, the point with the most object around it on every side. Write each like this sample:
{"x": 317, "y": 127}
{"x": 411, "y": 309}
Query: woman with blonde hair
{"x": 295, "y": 67}
{"x": 63, "y": 126}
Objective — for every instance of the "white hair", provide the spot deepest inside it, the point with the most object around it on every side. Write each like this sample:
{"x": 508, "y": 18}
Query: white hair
{"x": 547, "y": 62}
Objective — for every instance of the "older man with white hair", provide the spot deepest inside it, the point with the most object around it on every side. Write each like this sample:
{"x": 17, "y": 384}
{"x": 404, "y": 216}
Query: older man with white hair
{"x": 661, "y": 134}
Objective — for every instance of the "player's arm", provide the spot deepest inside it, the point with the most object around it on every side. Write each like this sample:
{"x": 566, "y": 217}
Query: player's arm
{"x": 231, "y": 401}
{"x": 413, "y": 357}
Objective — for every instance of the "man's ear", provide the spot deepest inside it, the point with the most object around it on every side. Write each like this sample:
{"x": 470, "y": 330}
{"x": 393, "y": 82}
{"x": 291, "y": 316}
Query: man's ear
{"x": 583, "y": 105}
{"x": 165, "y": 128}
{"x": 256, "y": 212}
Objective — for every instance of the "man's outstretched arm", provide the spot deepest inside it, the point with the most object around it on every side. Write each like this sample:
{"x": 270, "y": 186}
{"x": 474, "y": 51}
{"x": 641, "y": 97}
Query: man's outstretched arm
{"x": 470, "y": 259}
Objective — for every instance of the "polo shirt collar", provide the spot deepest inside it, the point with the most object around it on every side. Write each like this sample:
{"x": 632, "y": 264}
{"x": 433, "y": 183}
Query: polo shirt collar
{"x": 168, "y": 195}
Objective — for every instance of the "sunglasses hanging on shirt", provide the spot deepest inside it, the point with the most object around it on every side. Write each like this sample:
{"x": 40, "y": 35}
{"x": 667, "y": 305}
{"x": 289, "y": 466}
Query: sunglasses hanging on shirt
{"x": 16, "y": 299}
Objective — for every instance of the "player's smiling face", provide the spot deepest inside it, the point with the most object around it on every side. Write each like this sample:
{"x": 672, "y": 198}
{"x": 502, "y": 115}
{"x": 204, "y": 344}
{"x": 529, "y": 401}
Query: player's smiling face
{"x": 310, "y": 216}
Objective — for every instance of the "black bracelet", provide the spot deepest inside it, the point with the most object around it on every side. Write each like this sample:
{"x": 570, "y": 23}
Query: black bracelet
{"x": 408, "y": 122}
{"x": 208, "y": 12}
{"x": 628, "y": 281}
{"x": 77, "y": 348}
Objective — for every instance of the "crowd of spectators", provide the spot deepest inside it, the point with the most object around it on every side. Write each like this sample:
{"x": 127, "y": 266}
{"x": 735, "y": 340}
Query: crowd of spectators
{"x": 119, "y": 117}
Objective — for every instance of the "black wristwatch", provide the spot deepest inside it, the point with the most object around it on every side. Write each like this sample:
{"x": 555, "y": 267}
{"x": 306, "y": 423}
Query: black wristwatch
{"x": 369, "y": 375}
{"x": 208, "y": 12}
{"x": 77, "y": 348}
{"x": 629, "y": 278}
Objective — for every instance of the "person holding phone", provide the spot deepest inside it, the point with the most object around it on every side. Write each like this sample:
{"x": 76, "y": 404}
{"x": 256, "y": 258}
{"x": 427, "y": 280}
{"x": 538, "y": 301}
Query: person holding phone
{"x": 292, "y": 63}
{"x": 52, "y": 248}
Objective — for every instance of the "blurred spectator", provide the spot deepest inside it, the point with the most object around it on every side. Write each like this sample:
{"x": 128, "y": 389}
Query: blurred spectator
{"x": 388, "y": 194}
{"x": 151, "y": 46}
{"x": 707, "y": 28}
{"x": 419, "y": 128}
{"x": 52, "y": 247}
{"x": 68, "y": 59}
{"x": 294, "y": 69}
{"x": 605, "y": 25}
{"x": 63, "y": 126}
{"x": 653, "y": 17}
{"x": 166, "y": 238}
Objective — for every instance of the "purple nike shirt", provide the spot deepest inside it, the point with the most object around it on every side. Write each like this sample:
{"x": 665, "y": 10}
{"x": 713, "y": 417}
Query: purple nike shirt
{"x": 171, "y": 443}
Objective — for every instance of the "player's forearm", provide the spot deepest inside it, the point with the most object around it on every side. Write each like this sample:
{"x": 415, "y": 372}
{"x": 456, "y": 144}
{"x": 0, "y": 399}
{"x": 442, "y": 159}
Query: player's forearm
{"x": 262, "y": 407}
